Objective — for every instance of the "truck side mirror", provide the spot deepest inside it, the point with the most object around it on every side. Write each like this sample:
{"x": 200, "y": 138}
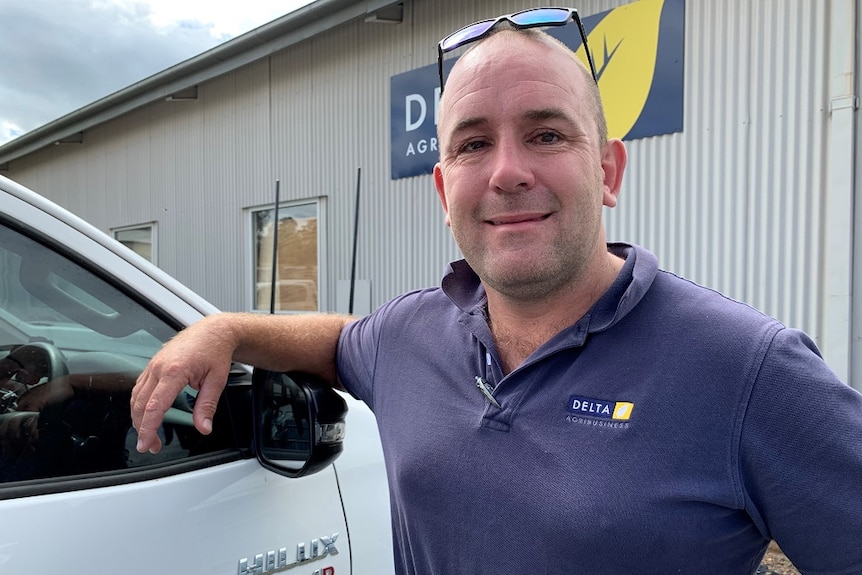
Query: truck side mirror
{"x": 298, "y": 422}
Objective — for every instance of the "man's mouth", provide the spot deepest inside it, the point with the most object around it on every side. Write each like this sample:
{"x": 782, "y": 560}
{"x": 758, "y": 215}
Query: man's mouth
{"x": 518, "y": 219}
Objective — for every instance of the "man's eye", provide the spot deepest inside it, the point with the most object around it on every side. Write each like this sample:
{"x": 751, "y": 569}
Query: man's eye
{"x": 473, "y": 145}
{"x": 547, "y": 137}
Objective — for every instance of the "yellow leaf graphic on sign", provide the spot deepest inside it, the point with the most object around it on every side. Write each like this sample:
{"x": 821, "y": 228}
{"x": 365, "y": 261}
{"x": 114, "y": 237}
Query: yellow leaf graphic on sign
{"x": 624, "y": 46}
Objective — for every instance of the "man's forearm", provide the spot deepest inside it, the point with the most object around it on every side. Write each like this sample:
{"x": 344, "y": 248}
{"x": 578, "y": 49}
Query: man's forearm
{"x": 200, "y": 357}
{"x": 300, "y": 342}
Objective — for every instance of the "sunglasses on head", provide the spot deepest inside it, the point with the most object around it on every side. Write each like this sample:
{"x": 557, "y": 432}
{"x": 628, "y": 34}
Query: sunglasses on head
{"x": 532, "y": 18}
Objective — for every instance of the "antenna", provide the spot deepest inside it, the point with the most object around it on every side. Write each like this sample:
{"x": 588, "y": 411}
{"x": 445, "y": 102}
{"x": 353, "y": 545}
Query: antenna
{"x": 355, "y": 236}
{"x": 274, "y": 253}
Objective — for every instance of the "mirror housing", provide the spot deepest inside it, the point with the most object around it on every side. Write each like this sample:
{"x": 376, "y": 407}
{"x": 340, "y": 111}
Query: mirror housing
{"x": 298, "y": 422}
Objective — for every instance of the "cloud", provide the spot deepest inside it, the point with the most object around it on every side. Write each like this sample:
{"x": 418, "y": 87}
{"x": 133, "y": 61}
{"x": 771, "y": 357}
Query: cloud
{"x": 61, "y": 56}
{"x": 8, "y": 131}
{"x": 223, "y": 20}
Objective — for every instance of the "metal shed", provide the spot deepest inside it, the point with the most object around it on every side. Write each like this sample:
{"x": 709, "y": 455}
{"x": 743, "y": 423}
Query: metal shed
{"x": 755, "y": 196}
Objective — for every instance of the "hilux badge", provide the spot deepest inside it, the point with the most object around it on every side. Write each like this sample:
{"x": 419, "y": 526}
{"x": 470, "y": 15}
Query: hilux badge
{"x": 275, "y": 561}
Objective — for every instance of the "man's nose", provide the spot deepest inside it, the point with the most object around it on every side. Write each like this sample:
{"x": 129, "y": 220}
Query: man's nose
{"x": 512, "y": 169}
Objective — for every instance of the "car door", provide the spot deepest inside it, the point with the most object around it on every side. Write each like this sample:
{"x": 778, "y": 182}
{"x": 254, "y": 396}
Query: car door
{"x": 79, "y": 319}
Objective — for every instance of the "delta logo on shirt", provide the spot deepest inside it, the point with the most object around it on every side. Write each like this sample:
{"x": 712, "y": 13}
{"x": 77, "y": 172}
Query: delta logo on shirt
{"x": 600, "y": 408}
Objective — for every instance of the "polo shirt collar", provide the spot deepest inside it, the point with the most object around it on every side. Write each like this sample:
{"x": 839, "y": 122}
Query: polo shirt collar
{"x": 463, "y": 287}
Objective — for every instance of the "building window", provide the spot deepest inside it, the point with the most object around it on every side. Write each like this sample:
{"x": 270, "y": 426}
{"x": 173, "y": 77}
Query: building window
{"x": 297, "y": 277}
{"x": 141, "y": 239}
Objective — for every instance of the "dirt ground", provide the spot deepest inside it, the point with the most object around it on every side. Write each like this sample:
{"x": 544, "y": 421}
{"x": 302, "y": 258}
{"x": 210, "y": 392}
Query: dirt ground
{"x": 775, "y": 563}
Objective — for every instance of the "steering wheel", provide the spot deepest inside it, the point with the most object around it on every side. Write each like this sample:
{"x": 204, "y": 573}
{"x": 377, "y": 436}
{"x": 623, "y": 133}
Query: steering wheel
{"x": 35, "y": 362}
{"x": 43, "y": 360}
{"x": 81, "y": 434}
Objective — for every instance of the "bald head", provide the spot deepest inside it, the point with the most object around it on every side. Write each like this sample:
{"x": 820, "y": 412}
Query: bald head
{"x": 487, "y": 51}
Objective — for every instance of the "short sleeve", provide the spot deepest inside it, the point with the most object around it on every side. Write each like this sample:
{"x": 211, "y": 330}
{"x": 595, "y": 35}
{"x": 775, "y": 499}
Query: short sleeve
{"x": 359, "y": 347}
{"x": 801, "y": 458}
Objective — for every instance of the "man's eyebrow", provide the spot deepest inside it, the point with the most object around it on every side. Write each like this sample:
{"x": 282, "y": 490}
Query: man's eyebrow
{"x": 468, "y": 123}
{"x": 547, "y": 114}
{"x": 535, "y": 115}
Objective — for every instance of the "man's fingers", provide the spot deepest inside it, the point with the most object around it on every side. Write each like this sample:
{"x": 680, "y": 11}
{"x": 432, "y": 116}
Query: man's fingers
{"x": 152, "y": 397}
{"x": 153, "y": 446}
{"x": 199, "y": 357}
{"x": 207, "y": 399}
{"x": 142, "y": 389}
{"x": 149, "y": 406}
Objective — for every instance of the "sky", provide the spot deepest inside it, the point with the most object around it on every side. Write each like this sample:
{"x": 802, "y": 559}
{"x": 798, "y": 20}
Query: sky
{"x": 57, "y": 56}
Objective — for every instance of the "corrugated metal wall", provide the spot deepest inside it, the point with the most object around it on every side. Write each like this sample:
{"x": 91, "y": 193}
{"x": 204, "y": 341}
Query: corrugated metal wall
{"x": 735, "y": 201}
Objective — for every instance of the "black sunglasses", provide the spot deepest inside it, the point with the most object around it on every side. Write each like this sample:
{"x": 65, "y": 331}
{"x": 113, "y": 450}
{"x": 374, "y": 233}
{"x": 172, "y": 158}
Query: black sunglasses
{"x": 532, "y": 18}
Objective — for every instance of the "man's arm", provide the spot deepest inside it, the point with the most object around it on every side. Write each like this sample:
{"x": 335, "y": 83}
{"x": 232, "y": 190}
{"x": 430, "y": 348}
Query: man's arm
{"x": 800, "y": 458}
{"x": 200, "y": 356}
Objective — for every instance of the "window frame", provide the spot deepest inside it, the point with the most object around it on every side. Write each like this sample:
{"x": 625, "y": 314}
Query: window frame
{"x": 250, "y": 282}
{"x": 153, "y": 228}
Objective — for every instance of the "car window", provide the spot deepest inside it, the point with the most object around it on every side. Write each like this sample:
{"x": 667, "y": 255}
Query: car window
{"x": 71, "y": 347}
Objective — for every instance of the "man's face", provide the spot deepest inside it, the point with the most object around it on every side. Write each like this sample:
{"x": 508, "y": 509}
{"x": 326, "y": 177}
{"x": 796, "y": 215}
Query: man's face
{"x": 520, "y": 174}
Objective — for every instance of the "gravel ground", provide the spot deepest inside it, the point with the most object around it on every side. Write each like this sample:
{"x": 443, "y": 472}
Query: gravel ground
{"x": 775, "y": 563}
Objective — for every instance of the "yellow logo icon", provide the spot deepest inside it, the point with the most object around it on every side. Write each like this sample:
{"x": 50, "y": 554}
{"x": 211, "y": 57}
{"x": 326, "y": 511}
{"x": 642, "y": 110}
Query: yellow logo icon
{"x": 623, "y": 410}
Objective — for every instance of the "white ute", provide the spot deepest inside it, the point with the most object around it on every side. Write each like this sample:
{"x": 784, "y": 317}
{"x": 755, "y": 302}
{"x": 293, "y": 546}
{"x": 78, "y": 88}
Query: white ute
{"x": 80, "y": 316}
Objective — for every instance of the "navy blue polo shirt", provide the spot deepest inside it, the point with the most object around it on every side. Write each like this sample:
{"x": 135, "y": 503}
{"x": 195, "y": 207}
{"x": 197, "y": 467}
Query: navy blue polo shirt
{"x": 670, "y": 429}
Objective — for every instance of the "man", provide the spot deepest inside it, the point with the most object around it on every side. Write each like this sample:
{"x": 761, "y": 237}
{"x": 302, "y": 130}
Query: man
{"x": 561, "y": 405}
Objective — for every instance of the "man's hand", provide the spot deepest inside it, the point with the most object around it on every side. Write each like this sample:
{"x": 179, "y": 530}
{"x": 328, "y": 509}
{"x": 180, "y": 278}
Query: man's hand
{"x": 199, "y": 356}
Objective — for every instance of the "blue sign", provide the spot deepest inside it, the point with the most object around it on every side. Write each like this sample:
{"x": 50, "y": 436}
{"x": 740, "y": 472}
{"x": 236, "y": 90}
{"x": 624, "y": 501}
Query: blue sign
{"x": 638, "y": 53}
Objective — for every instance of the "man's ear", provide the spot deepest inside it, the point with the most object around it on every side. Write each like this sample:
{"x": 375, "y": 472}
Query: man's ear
{"x": 441, "y": 190}
{"x": 614, "y": 159}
